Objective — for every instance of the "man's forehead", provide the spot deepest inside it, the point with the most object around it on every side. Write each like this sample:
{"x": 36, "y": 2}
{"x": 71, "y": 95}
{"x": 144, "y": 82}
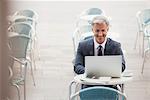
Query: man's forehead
{"x": 100, "y": 24}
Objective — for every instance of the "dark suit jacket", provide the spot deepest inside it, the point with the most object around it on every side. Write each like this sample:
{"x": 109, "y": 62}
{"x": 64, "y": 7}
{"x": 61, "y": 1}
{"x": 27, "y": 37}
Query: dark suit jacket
{"x": 86, "y": 48}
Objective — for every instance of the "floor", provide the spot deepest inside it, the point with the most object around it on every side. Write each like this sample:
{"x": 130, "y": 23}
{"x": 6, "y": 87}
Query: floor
{"x": 56, "y": 25}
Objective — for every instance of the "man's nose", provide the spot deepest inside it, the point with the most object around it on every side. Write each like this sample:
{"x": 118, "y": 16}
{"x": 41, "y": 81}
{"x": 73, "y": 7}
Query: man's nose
{"x": 100, "y": 33}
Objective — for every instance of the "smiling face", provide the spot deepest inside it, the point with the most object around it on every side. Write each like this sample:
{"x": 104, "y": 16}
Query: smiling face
{"x": 100, "y": 31}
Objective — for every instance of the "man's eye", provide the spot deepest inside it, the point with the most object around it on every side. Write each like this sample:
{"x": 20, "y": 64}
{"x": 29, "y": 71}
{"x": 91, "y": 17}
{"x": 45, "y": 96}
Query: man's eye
{"x": 103, "y": 30}
{"x": 97, "y": 31}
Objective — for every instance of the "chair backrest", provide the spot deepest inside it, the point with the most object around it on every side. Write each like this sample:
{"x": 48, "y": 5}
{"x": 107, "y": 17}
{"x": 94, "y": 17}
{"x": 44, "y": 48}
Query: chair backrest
{"x": 75, "y": 39}
{"x": 99, "y": 93}
{"x": 93, "y": 11}
{"x": 147, "y": 34}
{"x": 85, "y": 29}
{"x": 18, "y": 45}
{"x": 21, "y": 28}
{"x": 26, "y": 20}
{"x": 26, "y": 12}
{"x": 147, "y": 30}
{"x": 78, "y": 35}
{"x": 143, "y": 18}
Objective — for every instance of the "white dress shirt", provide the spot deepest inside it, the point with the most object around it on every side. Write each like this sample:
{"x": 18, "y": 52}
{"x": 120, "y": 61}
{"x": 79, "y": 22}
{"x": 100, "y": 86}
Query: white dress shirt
{"x": 96, "y": 46}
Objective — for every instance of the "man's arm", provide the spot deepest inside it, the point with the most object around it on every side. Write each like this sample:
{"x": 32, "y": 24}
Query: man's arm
{"x": 79, "y": 61}
{"x": 120, "y": 52}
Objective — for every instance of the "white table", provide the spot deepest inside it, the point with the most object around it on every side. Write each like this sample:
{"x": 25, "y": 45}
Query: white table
{"x": 81, "y": 79}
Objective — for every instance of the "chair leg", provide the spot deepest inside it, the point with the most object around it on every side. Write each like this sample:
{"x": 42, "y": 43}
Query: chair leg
{"x": 25, "y": 90}
{"x": 25, "y": 73}
{"x": 143, "y": 46}
{"x": 36, "y": 46}
{"x": 137, "y": 35}
{"x": 144, "y": 59}
{"x": 18, "y": 90}
{"x": 70, "y": 87}
{"x": 33, "y": 59}
{"x": 36, "y": 42}
{"x": 32, "y": 55}
{"x": 78, "y": 87}
{"x": 143, "y": 64}
{"x": 32, "y": 74}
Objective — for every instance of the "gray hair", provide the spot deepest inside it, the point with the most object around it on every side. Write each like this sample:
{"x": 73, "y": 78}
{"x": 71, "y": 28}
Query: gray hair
{"x": 100, "y": 19}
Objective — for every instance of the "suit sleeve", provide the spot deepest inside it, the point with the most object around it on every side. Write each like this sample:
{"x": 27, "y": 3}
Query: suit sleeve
{"x": 120, "y": 52}
{"x": 79, "y": 61}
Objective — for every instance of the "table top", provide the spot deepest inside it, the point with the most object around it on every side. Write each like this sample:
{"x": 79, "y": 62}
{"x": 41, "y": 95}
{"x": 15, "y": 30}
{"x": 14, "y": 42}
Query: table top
{"x": 103, "y": 80}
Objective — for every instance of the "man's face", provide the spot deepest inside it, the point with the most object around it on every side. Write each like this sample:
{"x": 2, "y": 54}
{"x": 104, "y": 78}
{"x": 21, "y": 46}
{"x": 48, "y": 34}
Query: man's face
{"x": 100, "y": 32}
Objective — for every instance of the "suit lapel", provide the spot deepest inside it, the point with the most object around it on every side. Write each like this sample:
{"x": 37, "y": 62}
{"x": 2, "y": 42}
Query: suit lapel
{"x": 91, "y": 47}
{"x": 107, "y": 47}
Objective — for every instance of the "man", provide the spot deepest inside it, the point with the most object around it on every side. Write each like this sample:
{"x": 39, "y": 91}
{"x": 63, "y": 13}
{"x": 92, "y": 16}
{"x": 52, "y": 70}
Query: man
{"x": 90, "y": 46}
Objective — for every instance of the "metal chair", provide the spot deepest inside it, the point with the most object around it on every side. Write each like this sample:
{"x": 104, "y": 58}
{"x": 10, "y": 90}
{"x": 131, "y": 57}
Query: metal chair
{"x": 98, "y": 93}
{"x": 79, "y": 35}
{"x": 17, "y": 81}
{"x": 27, "y": 16}
{"x": 24, "y": 19}
{"x": 24, "y": 28}
{"x": 31, "y": 17}
{"x": 27, "y": 12}
{"x": 21, "y": 28}
{"x": 147, "y": 50}
{"x": 18, "y": 50}
{"x": 94, "y": 11}
{"x": 85, "y": 28}
{"x": 87, "y": 15}
{"x": 143, "y": 19}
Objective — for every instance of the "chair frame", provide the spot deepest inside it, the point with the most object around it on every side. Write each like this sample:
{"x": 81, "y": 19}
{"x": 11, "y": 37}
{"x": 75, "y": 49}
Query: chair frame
{"x": 22, "y": 60}
{"x": 141, "y": 26}
{"x": 147, "y": 50}
{"x": 89, "y": 12}
{"x": 18, "y": 81}
{"x": 32, "y": 43}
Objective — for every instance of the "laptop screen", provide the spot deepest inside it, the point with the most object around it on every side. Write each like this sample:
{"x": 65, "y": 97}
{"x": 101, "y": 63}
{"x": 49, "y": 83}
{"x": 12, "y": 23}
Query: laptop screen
{"x": 103, "y": 66}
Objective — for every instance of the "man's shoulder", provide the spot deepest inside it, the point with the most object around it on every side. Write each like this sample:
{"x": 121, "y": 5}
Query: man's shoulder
{"x": 113, "y": 42}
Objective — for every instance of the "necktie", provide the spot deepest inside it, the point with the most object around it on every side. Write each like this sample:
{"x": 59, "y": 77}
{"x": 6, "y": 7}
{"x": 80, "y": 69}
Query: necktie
{"x": 100, "y": 50}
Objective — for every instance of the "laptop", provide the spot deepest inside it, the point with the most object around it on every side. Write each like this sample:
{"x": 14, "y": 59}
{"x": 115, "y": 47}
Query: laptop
{"x": 103, "y": 66}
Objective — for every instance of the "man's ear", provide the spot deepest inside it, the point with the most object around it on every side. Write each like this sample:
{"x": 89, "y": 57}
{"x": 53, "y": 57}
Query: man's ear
{"x": 108, "y": 29}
